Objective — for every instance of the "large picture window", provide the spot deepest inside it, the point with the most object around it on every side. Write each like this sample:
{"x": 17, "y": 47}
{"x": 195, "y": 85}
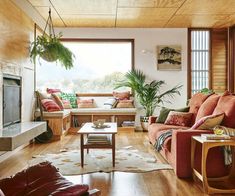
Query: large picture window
{"x": 199, "y": 60}
{"x": 98, "y": 65}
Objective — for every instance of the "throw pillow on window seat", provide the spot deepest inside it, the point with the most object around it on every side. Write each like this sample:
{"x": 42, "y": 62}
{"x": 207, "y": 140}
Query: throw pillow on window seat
{"x": 67, "y": 104}
{"x": 125, "y": 104}
{"x": 50, "y": 105}
{"x": 208, "y": 122}
{"x": 58, "y": 100}
{"x": 179, "y": 118}
{"x": 122, "y": 95}
{"x": 110, "y": 103}
{"x": 85, "y": 103}
{"x": 53, "y": 90}
{"x": 71, "y": 97}
{"x": 165, "y": 111}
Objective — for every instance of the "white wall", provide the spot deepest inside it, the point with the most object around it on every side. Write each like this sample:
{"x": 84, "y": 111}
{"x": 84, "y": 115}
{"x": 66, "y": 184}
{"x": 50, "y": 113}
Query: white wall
{"x": 146, "y": 39}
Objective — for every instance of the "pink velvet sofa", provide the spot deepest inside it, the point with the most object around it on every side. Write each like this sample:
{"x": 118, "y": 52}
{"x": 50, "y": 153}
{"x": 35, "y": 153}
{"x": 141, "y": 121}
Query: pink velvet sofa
{"x": 177, "y": 148}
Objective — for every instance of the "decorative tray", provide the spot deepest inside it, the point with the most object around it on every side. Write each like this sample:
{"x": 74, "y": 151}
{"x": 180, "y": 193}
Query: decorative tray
{"x": 100, "y": 127}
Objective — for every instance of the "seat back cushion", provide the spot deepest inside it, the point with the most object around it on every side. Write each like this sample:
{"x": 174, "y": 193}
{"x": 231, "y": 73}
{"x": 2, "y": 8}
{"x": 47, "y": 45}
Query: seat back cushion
{"x": 226, "y": 105}
{"x": 207, "y": 106}
{"x": 195, "y": 103}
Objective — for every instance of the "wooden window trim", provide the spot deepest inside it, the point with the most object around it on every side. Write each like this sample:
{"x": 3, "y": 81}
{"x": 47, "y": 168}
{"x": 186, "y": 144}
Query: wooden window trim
{"x": 103, "y": 40}
{"x": 231, "y": 59}
{"x": 189, "y": 72}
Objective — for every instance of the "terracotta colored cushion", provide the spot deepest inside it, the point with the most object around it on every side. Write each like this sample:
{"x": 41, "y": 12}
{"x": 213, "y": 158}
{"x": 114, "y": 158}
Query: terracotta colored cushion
{"x": 208, "y": 106}
{"x": 58, "y": 100}
{"x": 226, "y": 105}
{"x": 208, "y": 122}
{"x": 85, "y": 103}
{"x": 125, "y": 104}
{"x": 53, "y": 90}
{"x": 165, "y": 111}
{"x": 122, "y": 95}
{"x": 50, "y": 105}
{"x": 179, "y": 118}
{"x": 66, "y": 104}
{"x": 196, "y": 102}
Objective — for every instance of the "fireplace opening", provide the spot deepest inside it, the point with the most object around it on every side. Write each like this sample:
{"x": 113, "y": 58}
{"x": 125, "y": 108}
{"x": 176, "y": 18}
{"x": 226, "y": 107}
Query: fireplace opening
{"x": 11, "y": 99}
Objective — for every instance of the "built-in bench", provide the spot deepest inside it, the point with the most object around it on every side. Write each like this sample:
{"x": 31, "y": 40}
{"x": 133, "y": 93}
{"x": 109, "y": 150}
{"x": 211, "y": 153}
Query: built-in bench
{"x": 60, "y": 122}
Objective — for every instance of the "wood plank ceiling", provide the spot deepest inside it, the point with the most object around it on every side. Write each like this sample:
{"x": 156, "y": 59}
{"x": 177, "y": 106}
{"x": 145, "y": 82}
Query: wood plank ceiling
{"x": 138, "y": 13}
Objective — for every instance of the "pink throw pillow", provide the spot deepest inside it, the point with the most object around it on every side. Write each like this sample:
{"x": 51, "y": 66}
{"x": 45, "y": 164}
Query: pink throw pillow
{"x": 67, "y": 104}
{"x": 50, "y": 105}
{"x": 122, "y": 95}
{"x": 179, "y": 118}
{"x": 208, "y": 122}
{"x": 53, "y": 90}
{"x": 85, "y": 103}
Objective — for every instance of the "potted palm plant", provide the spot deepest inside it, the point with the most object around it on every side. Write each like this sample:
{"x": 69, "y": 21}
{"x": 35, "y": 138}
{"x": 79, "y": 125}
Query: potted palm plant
{"x": 147, "y": 93}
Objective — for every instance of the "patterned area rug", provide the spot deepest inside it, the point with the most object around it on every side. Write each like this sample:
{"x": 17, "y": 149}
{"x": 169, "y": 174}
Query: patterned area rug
{"x": 127, "y": 160}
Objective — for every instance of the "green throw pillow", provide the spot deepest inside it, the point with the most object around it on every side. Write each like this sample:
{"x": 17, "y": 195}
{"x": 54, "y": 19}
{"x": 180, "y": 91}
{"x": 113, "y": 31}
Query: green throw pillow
{"x": 165, "y": 111}
{"x": 71, "y": 97}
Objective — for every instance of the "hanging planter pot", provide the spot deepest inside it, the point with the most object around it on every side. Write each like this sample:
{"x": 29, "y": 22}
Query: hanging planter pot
{"x": 50, "y": 48}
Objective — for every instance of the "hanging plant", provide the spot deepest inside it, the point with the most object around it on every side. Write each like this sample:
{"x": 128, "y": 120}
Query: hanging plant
{"x": 50, "y": 48}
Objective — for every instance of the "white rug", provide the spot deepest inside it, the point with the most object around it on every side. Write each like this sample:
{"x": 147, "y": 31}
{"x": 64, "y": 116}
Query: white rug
{"x": 127, "y": 160}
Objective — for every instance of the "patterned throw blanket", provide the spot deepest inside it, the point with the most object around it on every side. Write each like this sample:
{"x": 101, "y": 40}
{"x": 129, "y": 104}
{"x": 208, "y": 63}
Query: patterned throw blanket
{"x": 161, "y": 139}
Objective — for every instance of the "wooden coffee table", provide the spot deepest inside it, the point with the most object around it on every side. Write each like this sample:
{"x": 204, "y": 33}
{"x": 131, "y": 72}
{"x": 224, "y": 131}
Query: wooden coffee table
{"x": 101, "y": 138}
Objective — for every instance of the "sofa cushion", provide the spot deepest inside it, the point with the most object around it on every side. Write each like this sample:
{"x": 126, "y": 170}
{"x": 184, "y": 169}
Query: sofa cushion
{"x": 165, "y": 111}
{"x": 58, "y": 100}
{"x": 226, "y": 105}
{"x": 179, "y": 118}
{"x": 154, "y": 128}
{"x": 208, "y": 122}
{"x": 208, "y": 106}
{"x": 196, "y": 102}
{"x": 85, "y": 103}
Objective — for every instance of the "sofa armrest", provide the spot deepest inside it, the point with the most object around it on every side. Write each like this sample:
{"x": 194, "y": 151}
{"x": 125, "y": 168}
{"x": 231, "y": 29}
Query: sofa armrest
{"x": 181, "y": 150}
{"x": 152, "y": 119}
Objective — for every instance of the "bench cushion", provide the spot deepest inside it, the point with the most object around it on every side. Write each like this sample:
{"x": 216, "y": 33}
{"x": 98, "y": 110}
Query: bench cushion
{"x": 78, "y": 111}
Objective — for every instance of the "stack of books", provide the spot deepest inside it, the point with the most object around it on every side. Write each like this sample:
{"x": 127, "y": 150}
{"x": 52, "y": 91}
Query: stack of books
{"x": 215, "y": 137}
{"x": 98, "y": 139}
{"x": 128, "y": 123}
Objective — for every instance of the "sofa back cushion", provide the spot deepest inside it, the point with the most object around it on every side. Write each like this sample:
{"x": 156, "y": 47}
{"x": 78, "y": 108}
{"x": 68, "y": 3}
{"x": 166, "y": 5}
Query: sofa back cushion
{"x": 226, "y": 105}
{"x": 195, "y": 103}
{"x": 207, "y": 106}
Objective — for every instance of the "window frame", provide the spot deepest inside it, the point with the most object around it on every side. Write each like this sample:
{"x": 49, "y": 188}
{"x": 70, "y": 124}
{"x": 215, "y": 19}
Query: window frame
{"x": 189, "y": 72}
{"x": 132, "y": 41}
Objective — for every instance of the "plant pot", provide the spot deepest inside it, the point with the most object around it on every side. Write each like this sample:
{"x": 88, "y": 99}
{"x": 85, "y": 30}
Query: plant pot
{"x": 144, "y": 122}
{"x": 49, "y": 56}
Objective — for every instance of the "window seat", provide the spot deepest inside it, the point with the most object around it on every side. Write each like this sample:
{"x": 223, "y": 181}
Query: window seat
{"x": 61, "y": 121}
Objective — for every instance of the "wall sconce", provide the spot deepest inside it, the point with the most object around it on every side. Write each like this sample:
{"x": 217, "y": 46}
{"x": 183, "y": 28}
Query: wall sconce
{"x": 146, "y": 51}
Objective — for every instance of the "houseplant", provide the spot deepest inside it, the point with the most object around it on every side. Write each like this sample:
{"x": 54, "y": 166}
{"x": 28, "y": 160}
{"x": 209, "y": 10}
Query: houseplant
{"x": 51, "y": 49}
{"x": 147, "y": 93}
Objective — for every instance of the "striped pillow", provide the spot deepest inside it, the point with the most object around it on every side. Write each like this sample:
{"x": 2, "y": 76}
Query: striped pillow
{"x": 50, "y": 105}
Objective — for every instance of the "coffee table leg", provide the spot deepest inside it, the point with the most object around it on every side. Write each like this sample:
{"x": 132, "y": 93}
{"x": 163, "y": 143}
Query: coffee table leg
{"x": 113, "y": 149}
{"x": 82, "y": 152}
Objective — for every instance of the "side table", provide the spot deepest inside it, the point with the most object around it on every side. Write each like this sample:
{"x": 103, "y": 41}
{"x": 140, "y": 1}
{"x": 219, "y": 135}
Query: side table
{"x": 206, "y": 145}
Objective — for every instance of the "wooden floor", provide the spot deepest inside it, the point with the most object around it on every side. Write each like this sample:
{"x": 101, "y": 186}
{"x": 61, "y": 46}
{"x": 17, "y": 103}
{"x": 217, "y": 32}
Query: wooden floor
{"x": 163, "y": 182}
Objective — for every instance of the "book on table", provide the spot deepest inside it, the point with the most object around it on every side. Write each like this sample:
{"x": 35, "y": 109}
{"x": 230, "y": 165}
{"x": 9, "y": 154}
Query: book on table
{"x": 98, "y": 138}
{"x": 215, "y": 137}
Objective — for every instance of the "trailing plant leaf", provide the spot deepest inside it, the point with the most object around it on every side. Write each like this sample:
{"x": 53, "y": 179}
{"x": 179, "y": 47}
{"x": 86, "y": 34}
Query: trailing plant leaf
{"x": 50, "y": 49}
{"x": 148, "y": 94}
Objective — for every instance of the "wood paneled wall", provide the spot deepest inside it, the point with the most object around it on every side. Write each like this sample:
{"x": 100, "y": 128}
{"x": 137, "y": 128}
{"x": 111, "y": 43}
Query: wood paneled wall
{"x": 219, "y": 60}
{"x": 16, "y": 32}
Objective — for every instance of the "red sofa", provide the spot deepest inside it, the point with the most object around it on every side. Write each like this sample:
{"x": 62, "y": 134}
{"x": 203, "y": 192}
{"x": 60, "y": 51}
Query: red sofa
{"x": 177, "y": 149}
{"x": 42, "y": 179}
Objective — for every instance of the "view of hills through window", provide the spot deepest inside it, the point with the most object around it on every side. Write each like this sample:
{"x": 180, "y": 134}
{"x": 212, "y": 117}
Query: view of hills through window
{"x": 98, "y": 65}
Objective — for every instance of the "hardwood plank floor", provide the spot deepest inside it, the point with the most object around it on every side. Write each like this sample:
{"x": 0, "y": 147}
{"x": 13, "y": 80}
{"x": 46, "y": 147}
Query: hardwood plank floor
{"x": 157, "y": 183}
